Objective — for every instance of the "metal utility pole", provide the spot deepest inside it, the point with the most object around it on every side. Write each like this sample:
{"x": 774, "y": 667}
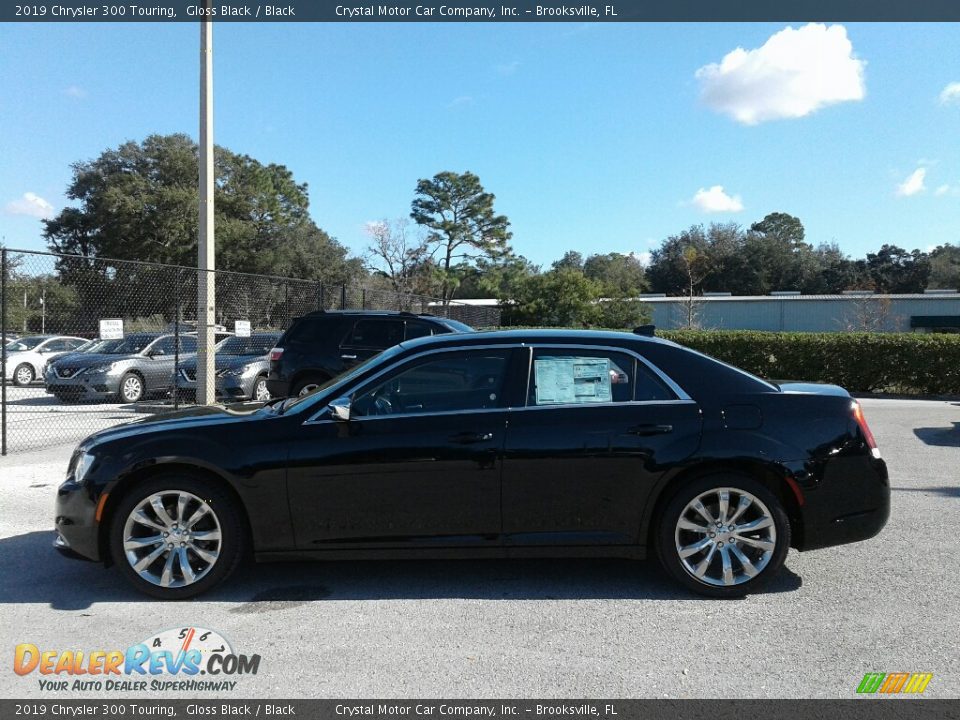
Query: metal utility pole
{"x": 206, "y": 260}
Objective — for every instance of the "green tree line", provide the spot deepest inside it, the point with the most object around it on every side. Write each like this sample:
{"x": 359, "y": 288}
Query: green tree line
{"x": 139, "y": 202}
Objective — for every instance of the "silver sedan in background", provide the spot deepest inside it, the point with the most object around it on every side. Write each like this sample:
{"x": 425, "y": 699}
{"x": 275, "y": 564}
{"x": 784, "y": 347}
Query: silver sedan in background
{"x": 242, "y": 364}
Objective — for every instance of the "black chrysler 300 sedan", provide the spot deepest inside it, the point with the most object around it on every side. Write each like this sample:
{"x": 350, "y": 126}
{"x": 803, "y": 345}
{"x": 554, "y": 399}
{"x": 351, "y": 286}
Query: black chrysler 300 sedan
{"x": 500, "y": 444}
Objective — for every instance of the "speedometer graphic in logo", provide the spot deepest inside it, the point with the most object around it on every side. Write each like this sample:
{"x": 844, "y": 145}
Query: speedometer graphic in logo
{"x": 181, "y": 640}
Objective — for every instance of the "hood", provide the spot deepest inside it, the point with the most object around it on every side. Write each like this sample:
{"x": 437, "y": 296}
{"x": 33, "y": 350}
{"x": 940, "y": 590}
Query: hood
{"x": 88, "y": 359}
{"x": 224, "y": 362}
{"x": 188, "y": 420}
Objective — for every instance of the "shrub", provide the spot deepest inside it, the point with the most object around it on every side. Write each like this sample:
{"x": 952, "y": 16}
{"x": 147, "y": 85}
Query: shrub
{"x": 860, "y": 362}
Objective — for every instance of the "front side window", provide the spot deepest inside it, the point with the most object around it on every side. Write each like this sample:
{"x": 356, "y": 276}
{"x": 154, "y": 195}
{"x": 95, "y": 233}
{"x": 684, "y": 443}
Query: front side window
{"x": 456, "y": 381}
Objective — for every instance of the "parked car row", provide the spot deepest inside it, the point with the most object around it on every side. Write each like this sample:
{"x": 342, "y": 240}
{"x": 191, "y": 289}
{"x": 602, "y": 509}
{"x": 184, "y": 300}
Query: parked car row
{"x": 315, "y": 349}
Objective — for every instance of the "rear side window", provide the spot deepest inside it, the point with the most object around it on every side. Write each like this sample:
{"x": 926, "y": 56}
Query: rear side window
{"x": 376, "y": 334}
{"x": 418, "y": 329}
{"x": 649, "y": 386}
{"x": 309, "y": 330}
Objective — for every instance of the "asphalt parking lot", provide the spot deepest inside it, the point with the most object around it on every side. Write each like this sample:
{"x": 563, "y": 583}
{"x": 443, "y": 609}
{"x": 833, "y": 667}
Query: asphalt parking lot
{"x": 33, "y": 417}
{"x": 561, "y": 629}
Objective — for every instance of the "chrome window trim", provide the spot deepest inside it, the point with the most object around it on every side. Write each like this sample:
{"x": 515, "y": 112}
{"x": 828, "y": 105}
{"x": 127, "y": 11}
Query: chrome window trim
{"x": 682, "y": 396}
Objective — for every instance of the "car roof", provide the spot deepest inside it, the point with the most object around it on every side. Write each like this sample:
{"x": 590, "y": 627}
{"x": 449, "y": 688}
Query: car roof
{"x": 572, "y": 337}
{"x": 373, "y": 313}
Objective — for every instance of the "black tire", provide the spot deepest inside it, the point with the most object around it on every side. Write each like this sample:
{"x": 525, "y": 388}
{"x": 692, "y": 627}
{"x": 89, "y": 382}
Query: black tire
{"x": 25, "y": 369}
{"x": 303, "y": 385}
{"x": 128, "y": 381}
{"x": 669, "y": 536}
{"x": 233, "y": 538}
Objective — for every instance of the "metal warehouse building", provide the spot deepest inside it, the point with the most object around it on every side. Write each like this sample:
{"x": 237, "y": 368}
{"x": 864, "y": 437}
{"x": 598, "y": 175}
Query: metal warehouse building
{"x": 937, "y": 310}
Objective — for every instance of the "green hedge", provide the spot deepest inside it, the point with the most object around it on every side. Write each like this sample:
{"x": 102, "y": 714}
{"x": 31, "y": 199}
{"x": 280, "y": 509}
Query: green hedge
{"x": 911, "y": 363}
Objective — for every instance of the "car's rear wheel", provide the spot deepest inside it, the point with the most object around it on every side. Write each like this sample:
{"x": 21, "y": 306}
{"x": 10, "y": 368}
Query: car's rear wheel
{"x": 23, "y": 374}
{"x": 176, "y": 536}
{"x": 724, "y": 535}
{"x": 307, "y": 385}
{"x": 131, "y": 388}
{"x": 260, "y": 391}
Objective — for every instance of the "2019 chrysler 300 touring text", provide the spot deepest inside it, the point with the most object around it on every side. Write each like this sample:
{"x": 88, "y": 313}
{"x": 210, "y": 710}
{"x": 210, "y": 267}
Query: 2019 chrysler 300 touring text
{"x": 491, "y": 444}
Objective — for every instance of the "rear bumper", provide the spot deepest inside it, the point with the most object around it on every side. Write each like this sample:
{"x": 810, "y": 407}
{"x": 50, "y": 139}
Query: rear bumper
{"x": 278, "y": 388}
{"x": 851, "y": 503}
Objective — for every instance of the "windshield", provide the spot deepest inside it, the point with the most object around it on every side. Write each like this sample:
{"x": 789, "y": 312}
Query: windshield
{"x": 130, "y": 345}
{"x": 27, "y": 343}
{"x": 101, "y": 346}
{"x": 358, "y": 370}
{"x": 253, "y": 345}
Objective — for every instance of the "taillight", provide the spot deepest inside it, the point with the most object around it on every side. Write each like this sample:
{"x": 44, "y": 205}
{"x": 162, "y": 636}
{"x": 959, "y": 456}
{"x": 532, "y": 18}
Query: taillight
{"x": 275, "y": 353}
{"x": 867, "y": 434}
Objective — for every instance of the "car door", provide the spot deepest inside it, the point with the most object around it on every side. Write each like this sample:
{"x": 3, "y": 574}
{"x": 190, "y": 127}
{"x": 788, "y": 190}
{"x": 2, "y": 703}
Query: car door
{"x": 369, "y": 337}
{"x": 581, "y": 458}
{"x": 416, "y": 465}
{"x": 157, "y": 367}
{"x": 47, "y": 351}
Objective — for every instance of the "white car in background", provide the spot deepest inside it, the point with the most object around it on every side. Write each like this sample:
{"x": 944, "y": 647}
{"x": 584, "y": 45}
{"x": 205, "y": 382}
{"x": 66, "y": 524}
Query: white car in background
{"x": 28, "y": 356}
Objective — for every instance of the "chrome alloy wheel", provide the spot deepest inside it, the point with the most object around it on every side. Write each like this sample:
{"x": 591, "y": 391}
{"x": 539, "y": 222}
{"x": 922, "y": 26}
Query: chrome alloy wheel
{"x": 260, "y": 390}
{"x": 725, "y": 537}
{"x": 24, "y": 375}
{"x": 172, "y": 538}
{"x": 132, "y": 388}
{"x": 308, "y": 388}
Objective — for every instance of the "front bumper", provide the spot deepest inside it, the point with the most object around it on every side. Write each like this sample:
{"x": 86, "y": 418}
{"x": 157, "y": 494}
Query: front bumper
{"x": 226, "y": 388}
{"x": 77, "y": 530}
{"x": 97, "y": 386}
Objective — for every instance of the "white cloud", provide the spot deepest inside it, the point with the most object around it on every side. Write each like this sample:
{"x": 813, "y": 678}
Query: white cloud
{"x": 942, "y": 190}
{"x": 716, "y": 200}
{"x": 30, "y": 204}
{"x": 794, "y": 73}
{"x": 913, "y": 184}
{"x": 507, "y": 68}
{"x": 950, "y": 94}
{"x": 462, "y": 101}
{"x": 75, "y": 91}
{"x": 642, "y": 257}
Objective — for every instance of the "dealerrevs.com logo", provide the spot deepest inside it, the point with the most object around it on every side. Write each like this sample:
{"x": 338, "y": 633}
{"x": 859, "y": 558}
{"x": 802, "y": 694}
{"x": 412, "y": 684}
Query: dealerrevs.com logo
{"x": 185, "y": 659}
{"x": 893, "y": 683}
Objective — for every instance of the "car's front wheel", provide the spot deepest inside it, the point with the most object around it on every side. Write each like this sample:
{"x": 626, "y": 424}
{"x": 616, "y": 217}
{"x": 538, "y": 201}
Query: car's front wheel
{"x": 131, "y": 388}
{"x": 176, "y": 536}
{"x": 23, "y": 374}
{"x": 261, "y": 392}
{"x": 723, "y": 535}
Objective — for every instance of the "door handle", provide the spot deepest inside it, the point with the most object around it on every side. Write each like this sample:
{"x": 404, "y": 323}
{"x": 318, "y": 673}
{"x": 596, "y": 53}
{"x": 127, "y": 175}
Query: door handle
{"x": 650, "y": 429}
{"x": 348, "y": 357}
{"x": 468, "y": 438}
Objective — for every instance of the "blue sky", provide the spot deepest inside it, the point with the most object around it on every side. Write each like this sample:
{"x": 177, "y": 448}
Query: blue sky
{"x": 593, "y": 137}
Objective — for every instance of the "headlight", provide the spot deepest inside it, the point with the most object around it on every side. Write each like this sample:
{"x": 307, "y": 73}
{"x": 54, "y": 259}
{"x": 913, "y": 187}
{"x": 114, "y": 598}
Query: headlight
{"x": 80, "y": 465}
{"x": 105, "y": 368}
{"x": 245, "y": 371}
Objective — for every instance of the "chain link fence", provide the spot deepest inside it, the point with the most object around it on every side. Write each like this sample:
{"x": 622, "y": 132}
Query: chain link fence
{"x": 62, "y": 380}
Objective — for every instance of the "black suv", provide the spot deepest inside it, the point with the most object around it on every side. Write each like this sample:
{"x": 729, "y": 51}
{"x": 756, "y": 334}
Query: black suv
{"x": 321, "y": 345}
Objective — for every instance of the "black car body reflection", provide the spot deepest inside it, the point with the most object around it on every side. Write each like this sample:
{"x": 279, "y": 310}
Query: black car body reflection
{"x": 511, "y": 443}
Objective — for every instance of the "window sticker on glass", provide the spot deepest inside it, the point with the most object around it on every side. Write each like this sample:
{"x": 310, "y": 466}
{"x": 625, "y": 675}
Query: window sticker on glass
{"x": 564, "y": 380}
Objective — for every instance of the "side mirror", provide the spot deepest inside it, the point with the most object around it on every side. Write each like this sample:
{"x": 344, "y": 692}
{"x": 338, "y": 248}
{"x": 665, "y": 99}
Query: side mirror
{"x": 157, "y": 353}
{"x": 340, "y": 409}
